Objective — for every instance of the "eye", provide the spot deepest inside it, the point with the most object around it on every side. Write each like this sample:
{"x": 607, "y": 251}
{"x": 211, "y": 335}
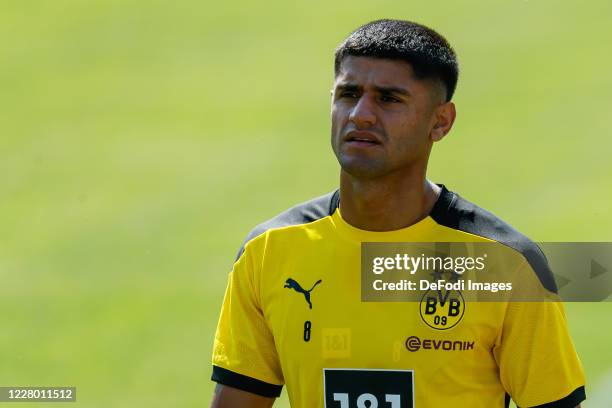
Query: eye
{"x": 388, "y": 98}
{"x": 348, "y": 94}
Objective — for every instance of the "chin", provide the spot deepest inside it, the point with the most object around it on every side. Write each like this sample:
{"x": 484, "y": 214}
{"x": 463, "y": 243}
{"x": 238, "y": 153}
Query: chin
{"x": 362, "y": 169}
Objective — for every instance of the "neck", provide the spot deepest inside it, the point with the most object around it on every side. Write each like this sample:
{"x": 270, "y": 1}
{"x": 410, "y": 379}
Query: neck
{"x": 387, "y": 203}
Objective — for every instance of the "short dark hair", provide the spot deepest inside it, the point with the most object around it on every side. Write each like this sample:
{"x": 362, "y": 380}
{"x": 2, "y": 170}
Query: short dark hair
{"x": 429, "y": 54}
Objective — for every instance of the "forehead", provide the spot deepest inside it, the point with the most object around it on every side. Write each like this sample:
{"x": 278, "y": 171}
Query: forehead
{"x": 366, "y": 71}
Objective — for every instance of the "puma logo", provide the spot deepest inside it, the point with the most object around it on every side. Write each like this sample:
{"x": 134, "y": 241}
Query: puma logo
{"x": 292, "y": 284}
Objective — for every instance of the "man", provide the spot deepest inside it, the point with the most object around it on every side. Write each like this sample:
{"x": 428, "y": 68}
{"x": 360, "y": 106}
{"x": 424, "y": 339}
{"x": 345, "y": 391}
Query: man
{"x": 292, "y": 312}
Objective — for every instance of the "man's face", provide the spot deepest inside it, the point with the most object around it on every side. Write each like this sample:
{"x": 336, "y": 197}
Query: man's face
{"x": 382, "y": 117}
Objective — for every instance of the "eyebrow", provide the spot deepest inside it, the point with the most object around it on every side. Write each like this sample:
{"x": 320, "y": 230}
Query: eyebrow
{"x": 349, "y": 86}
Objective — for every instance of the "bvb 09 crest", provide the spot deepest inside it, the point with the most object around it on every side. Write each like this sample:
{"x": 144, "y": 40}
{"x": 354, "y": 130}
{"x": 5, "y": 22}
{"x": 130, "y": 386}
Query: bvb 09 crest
{"x": 442, "y": 309}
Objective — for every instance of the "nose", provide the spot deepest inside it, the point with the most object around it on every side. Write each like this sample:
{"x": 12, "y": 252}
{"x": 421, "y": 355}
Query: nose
{"x": 362, "y": 114}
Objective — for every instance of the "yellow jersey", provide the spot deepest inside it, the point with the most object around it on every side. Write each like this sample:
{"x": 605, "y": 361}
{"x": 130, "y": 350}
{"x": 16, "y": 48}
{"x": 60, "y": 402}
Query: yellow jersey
{"x": 293, "y": 315}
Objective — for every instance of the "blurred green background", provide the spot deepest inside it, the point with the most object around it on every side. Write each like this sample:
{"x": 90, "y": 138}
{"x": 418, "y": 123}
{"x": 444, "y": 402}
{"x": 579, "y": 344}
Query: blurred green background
{"x": 140, "y": 141}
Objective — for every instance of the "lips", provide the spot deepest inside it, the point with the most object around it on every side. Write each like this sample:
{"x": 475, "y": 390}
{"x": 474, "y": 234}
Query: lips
{"x": 362, "y": 137}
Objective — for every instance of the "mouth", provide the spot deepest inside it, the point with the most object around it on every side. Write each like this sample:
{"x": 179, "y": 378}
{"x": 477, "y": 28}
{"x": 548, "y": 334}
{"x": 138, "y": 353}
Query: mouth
{"x": 362, "y": 138}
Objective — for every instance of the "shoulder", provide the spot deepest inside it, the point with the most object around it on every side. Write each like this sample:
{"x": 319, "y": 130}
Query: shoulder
{"x": 304, "y": 213}
{"x": 453, "y": 211}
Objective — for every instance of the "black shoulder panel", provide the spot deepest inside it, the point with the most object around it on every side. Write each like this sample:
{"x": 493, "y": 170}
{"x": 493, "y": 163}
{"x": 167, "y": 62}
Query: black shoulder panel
{"x": 304, "y": 213}
{"x": 453, "y": 211}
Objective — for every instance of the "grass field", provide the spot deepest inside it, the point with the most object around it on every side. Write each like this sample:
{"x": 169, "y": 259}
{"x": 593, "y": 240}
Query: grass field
{"x": 140, "y": 141}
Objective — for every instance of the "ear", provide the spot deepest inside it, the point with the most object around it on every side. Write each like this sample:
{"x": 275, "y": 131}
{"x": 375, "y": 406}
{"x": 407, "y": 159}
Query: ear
{"x": 443, "y": 117}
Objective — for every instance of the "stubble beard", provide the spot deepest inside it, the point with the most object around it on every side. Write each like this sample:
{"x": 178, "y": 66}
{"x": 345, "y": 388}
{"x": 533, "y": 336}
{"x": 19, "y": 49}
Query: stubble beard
{"x": 361, "y": 166}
